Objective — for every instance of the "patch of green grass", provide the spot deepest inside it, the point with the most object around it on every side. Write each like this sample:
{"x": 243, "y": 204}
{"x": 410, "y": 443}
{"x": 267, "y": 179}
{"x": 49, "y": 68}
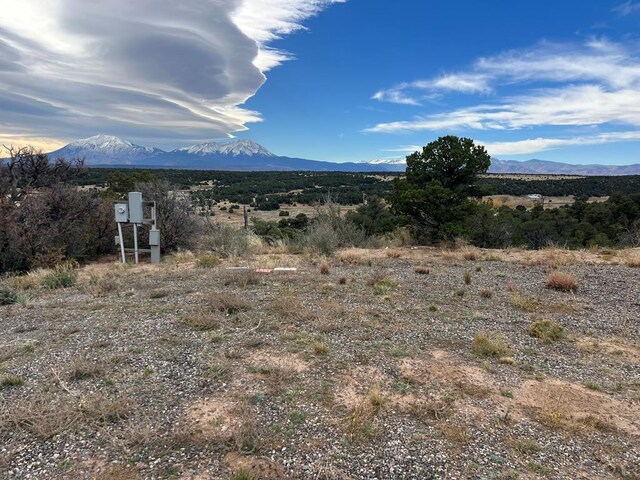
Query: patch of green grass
{"x": 527, "y": 446}
{"x": 400, "y": 352}
{"x": 208, "y": 261}
{"x": 61, "y": 277}
{"x": 506, "y": 393}
{"x": 216, "y": 338}
{"x": 219, "y": 371}
{"x": 546, "y": 330}
{"x": 384, "y": 286}
{"x": 491, "y": 344}
{"x": 297, "y": 418}
{"x": 241, "y": 475}
{"x": 8, "y": 296}
{"x": 593, "y": 385}
{"x": 11, "y": 381}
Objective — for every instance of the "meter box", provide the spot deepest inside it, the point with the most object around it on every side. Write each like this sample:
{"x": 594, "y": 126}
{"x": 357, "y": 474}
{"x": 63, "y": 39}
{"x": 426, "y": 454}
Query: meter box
{"x": 135, "y": 207}
{"x": 122, "y": 212}
{"x": 154, "y": 238}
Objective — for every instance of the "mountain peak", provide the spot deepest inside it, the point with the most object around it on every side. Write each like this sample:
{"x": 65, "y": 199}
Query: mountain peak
{"x": 240, "y": 147}
{"x": 102, "y": 142}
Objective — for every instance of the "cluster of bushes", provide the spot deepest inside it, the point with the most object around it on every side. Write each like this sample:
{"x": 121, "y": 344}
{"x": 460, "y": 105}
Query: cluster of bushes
{"x": 615, "y": 222}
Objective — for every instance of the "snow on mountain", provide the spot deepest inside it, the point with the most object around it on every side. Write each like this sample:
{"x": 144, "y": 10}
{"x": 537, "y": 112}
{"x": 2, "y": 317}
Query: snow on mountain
{"x": 387, "y": 161}
{"x": 106, "y": 150}
{"x": 236, "y": 148}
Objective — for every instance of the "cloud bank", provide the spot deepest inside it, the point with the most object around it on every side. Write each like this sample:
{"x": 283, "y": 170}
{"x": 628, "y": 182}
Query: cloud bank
{"x": 149, "y": 70}
{"x": 596, "y": 84}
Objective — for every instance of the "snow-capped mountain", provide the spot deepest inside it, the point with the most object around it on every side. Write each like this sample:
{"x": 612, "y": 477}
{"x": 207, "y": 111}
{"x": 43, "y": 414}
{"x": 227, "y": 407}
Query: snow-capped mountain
{"x": 242, "y": 154}
{"x": 236, "y": 148}
{"x": 388, "y": 161}
{"x": 246, "y": 155}
{"x": 106, "y": 150}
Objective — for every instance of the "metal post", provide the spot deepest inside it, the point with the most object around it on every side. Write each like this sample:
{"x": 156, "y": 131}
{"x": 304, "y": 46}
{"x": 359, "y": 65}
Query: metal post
{"x": 135, "y": 242}
{"x": 122, "y": 255}
{"x": 246, "y": 218}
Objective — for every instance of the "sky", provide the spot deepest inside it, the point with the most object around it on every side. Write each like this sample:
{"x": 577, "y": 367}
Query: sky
{"x": 334, "y": 80}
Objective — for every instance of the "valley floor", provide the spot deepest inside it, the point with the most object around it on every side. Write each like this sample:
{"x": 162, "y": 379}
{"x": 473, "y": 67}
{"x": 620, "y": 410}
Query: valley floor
{"x": 398, "y": 363}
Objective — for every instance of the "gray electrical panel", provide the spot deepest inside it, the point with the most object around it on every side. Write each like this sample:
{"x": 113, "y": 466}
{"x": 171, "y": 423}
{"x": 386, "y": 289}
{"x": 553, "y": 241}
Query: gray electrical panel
{"x": 122, "y": 212}
{"x": 132, "y": 212}
{"x": 154, "y": 238}
{"x": 135, "y": 207}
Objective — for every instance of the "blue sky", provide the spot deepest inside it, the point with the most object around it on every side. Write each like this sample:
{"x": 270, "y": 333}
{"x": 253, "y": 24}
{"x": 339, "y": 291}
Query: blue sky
{"x": 337, "y": 80}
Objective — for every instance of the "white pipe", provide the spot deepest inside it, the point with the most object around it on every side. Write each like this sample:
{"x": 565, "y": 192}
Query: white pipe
{"x": 122, "y": 256}
{"x": 135, "y": 242}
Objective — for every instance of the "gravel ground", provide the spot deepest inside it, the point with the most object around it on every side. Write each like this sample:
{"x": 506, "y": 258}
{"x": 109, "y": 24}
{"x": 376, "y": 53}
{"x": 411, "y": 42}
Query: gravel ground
{"x": 366, "y": 372}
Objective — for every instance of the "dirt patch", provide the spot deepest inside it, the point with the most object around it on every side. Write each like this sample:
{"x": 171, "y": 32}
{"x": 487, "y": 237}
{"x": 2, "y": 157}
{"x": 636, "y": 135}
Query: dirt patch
{"x": 215, "y": 418}
{"x": 443, "y": 370}
{"x": 256, "y": 467}
{"x": 573, "y": 407}
{"x": 356, "y": 384}
{"x": 287, "y": 362}
{"x": 614, "y": 348}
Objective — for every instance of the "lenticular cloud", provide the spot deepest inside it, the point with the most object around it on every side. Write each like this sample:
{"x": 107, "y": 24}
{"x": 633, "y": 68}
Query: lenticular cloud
{"x": 146, "y": 69}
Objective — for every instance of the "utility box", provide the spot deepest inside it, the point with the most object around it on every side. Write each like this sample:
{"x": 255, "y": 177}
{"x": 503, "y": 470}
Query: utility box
{"x": 135, "y": 207}
{"x": 154, "y": 238}
{"x": 122, "y": 212}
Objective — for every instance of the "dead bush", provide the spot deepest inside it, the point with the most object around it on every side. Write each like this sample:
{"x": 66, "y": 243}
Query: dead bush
{"x": 202, "y": 321}
{"x": 562, "y": 282}
{"x": 228, "y": 303}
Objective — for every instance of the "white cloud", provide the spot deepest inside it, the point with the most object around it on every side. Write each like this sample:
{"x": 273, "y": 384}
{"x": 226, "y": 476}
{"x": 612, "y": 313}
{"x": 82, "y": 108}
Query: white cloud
{"x": 598, "y": 60}
{"x": 592, "y": 85}
{"x": 535, "y": 145}
{"x": 142, "y": 69}
{"x": 627, "y": 8}
{"x": 413, "y": 93}
{"x": 266, "y": 21}
{"x": 569, "y": 106}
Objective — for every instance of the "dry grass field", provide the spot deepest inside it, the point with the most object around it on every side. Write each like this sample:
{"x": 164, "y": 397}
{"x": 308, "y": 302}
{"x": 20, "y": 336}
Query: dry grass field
{"x": 394, "y": 363}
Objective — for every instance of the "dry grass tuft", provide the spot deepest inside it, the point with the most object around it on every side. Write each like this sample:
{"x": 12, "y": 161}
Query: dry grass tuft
{"x": 546, "y": 330}
{"x": 228, "y": 303}
{"x": 83, "y": 369}
{"x": 491, "y": 344}
{"x": 512, "y": 287}
{"x": 421, "y": 270}
{"x": 486, "y": 293}
{"x": 562, "y": 282}
{"x": 324, "y": 268}
{"x": 202, "y": 321}
{"x": 633, "y": 262}
{"x": 207, "y": 261}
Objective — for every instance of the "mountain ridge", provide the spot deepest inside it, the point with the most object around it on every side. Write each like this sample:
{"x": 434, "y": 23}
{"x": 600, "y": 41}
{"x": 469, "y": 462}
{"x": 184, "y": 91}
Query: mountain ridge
{"x": 247, "y": 155}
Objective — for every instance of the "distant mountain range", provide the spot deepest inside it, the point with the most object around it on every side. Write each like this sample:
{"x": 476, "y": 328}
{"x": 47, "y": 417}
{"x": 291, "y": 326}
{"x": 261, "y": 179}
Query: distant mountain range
{"x": 245, "y": 155}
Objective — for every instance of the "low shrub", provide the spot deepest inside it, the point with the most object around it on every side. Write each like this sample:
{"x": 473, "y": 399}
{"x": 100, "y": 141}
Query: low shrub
{"x": 63, "y": 276}
{"x": 8, "y": 296}
{"x": 491, "y": 344}
{"x": 546, "y": 330}
{"x": 562, "y": 282}
{"x": 208, "y": 261}
{"x": 421, "y": 270}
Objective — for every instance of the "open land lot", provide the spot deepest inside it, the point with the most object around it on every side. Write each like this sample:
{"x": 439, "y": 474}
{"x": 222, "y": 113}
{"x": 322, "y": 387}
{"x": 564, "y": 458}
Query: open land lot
{"x": 396, "y": 363}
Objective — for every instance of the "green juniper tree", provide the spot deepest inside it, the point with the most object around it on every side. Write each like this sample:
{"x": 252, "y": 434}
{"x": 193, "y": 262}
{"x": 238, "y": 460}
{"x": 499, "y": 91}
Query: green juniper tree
{"x": 439, "y": 185}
